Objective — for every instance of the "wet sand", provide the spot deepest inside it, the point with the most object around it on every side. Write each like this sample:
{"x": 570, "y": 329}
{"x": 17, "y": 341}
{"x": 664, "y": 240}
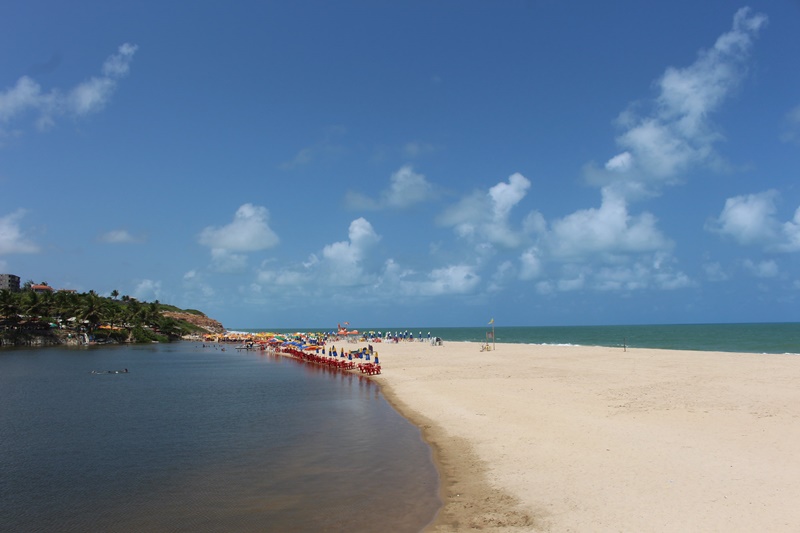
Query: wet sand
{"x": 563, "y": 438}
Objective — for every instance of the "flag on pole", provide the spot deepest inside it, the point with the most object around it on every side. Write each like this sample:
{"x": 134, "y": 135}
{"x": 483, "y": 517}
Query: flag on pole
{"x": 491, "y": 321}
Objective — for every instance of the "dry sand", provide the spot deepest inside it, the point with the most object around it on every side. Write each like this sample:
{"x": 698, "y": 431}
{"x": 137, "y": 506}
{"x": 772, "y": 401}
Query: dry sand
{"x": 561, "y": 438}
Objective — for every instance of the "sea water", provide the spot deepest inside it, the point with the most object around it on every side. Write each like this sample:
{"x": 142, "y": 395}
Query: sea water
{"x": 778, "y": 338}
{"x": 194, "y": 438}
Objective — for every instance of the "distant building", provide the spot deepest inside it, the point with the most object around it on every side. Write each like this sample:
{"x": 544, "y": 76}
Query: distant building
{"x": 9, "y": 282}
{"x": 41, "y": 288}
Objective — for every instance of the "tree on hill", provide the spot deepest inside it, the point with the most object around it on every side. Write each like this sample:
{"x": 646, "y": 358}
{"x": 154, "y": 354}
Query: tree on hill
{"x": 127, "y": 319}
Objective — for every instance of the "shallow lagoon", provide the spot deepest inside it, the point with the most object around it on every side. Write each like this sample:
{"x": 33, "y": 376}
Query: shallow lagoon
{"x": 194, "y": 438}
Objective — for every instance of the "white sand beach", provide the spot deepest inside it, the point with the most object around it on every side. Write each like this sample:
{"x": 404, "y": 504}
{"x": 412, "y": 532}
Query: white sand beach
{"x": 561, "y": 438}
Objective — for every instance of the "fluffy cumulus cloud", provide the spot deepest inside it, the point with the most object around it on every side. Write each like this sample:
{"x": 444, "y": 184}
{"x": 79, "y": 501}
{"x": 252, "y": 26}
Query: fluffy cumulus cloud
{"x": 608, "y": 230}
{"x": 352, "y": 264}
{"x": 485, "y": 216}
{"x": 660, "y": 145}
{"x": 248, "y": 232}
{"x": 790, "y": 232}
{"x": 12, "y": 239}
{"x": 603, "y": 248}
{"x": 406, "y": 188}
{"x": 339, "y": 264}
{"x": 89, "y": 96}
{"x": 531, "y": 265}
{"x": 343, "y": 260}
{"x": 454, "y": 279}
{"x": 751, "y": 220}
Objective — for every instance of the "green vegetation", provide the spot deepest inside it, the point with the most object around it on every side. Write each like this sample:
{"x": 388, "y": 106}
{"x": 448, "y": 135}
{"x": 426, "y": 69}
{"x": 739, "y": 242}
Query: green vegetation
{"x": 25, "y": 314}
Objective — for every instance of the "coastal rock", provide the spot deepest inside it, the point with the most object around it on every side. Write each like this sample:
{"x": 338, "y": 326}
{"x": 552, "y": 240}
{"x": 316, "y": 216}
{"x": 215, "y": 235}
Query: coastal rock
{"x": 208, "y": 324}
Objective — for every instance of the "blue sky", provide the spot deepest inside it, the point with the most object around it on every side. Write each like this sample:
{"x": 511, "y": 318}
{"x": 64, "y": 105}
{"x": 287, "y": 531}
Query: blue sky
{"x": 283, "y": 164}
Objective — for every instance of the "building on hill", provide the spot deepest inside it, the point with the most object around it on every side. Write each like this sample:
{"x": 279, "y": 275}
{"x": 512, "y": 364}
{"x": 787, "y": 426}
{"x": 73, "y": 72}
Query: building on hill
{"x": 41, "y": 288}
{"x": 9, "y": 282}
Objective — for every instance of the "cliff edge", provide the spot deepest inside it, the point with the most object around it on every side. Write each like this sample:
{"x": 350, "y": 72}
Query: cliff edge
{"x": 201, "y": 321}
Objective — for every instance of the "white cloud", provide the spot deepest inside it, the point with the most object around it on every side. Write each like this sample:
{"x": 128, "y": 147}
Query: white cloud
{"x": 351, "y": 264}
{"x": 415, "y": 149}
{"x": 195, "y": 286}
{"x": 791, "y": 234}
{"x": 530, "y": 264}
{"x": 303, "y": 157}
{"x": 248, "y": 232}
{"x": 343, "y": 260}
{"x": 646, "y": 271}
{"x": 715, "y": 272}
{"x": 91, "y": 95}
{"x": 328, "y": 146}
{"x": 571, "y": 284}
{"x": 454, "y": 279}
{"x": 406, "y": 188}
{"x": 118, "y": 65}
{"x": 225, "y": 261}
{"x": 118, "y": 236}
{"x": 792, "y": 132}
{"x": 608, "y": 229}
{"x": 621, "y": 162}
{"x": 24, "y": 95}
{"x": 283, "y": 279}
{"x": 750, "y": 219}
{"x": 448, "y": 280}
{"x": 340, "y": 264}
{"x": 87, "y": 97}
{"x": 486, "y": 215}
{"x": 604, "y": 248}
{"x": 147, "y": 290}
{"x": 12, "y": 240}
{"x": 762, "y": 269}
{"x": 659, "y": 146}
{"x": 504, "y": 273}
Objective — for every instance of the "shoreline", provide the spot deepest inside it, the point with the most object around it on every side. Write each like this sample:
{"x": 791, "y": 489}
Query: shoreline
{"x": 576, "y": 438}
{"x": 468, "y": 499}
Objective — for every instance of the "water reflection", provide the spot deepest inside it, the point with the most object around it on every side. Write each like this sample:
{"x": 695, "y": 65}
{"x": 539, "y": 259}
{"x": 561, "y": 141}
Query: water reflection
{"x": 199, "y": 439}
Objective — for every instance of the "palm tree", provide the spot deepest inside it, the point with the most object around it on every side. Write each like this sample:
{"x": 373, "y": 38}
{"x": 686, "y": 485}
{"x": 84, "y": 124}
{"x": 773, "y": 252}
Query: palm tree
{"x": 114, "y": 294}
{"x": 133, "y": 313}
{"x": 93, "y": 311}
{"x": 9, "y": 307}
{"x": 31, "y": 304}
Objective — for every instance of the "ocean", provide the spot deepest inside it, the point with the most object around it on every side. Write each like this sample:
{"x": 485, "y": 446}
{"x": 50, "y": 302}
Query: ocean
{"x": 194, "y": 438}
{"x": 778, "y": 338}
